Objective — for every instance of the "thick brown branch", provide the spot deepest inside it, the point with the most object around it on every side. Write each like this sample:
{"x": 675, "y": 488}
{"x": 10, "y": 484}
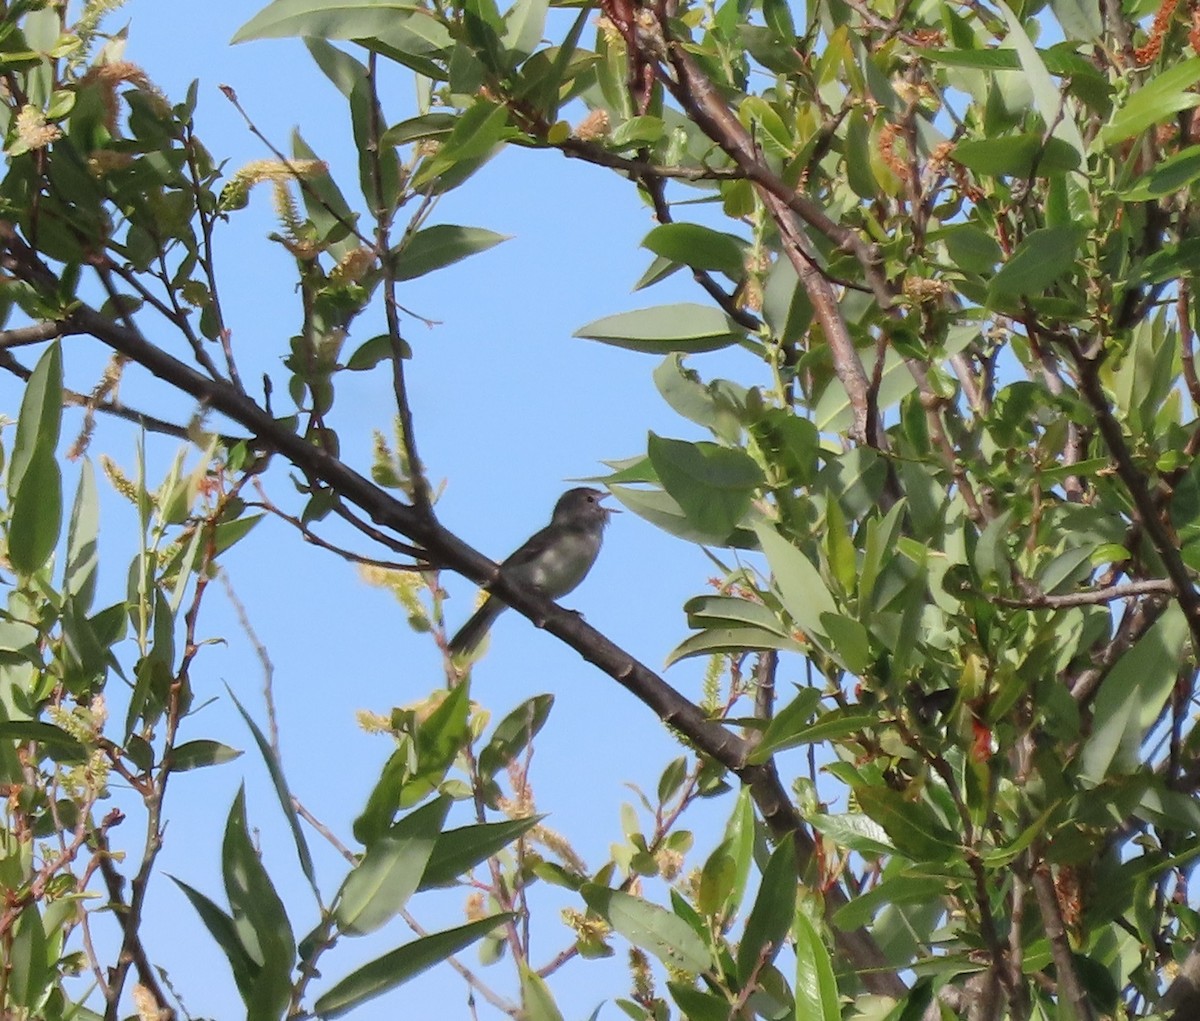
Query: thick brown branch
{"x": 446, "y": 549}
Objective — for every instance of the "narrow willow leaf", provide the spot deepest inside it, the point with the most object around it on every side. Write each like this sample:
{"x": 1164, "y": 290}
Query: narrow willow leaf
{"x": 513, "y": 734}
{"x": 40, "y": 417}
{"x": 785, "y": 726}
{"x": 83, "y": 529}
{"x": 731, "y": 639}
{"x": 57, "y": 743}
{"x": 320, "y": 19}
{"x": 459, "y": 850}
{"x": 37, "y": 513}
{"x": 279, "y": 782}
{"x": 394, "y": 968}
{"x": 1039, "y": 260}
{"x": 1165, "y": 94}
{"x": 220, "y": 926}
{"x": 259, "y": 918}
{"x": 816, "y": 988}
{"x": 379, "y": 886}
{"x": 1132, "y": 695}
{"x": 804, "y": 593}
{"x": 772, "y": 914}
{"x": 1047, "y": 97}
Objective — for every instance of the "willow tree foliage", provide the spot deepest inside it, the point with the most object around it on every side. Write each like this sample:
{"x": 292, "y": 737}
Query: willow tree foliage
{"x": 959, "y": 237}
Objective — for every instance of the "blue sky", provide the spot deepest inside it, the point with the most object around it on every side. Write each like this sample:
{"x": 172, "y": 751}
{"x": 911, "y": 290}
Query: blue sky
{"x": 508, "y": 407}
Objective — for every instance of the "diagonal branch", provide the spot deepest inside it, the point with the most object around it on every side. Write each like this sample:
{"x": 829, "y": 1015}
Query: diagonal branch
{"x": 445, "y": 549}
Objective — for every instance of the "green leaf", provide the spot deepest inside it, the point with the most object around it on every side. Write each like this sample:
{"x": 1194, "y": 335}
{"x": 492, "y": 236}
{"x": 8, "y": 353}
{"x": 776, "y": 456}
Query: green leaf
{"x": 738, "y": 844}
{"x": 772, "y": 914}
{"x": 536, "y": 999}
{"x": 1017, "y": 156}
{"x": 474, "y": 138}
{"x": 36, "y": 513}
{"x": 513, "y": 734}
{"x": 660, "y": 509}
{"x": 398, "y": 966}
{"x": 910, "y": 826}
{"x": 198, "y": 754}
{"x": 322, "y": 19}
{"x": 279, "y": 782}
{"x": 1132, "y": 696}
{"x": 731, "y": 639}
{"x": 371, "y": 352}
{"x": 715, "y": 405}
{"x": 706, "y": 611}
{"x": 437, "y": 124}
{"x": 83, "y": 529}
{"x": 803, "y": 591}
{"x": 1039, "y": 260}
{"x": 523, "y": 27}
{"x": 59, "y": 745}
{"x": 340, "y": 68}
{"x": 786, "y": 724}
{"x": 686, "y": 328}
{"x": 40, "y": 417}
{"x": 1171, "y": 175}
{"x": 459, "y": 850}
{"x": 220, "y": 926}
{"x": 441, "y": 245}
{"x": 850, "y": 640}
{"x": 699, "y": 247}
{"x": 854, "y": 831}
{"x": 712, "y": 484}
{"x": 1164, "y": 95}
{"x": 29, "y": 975}
{"x": 816, "y": 988}
{"x": 325, "y": 204}
{"x": 404, "y": 782}
{"x": 259, "y": 918}
{"x": 698, "y": 1005}
{"x": 1046, "y": 95}
{"x": 650, "y": 927}
{"x": 971, "y": 249}
{"x": 638, "y": 131}
{"x": 379, "y": 886}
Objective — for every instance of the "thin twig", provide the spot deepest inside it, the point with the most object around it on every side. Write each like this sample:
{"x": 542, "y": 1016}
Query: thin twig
{"x": 1091, "y": 597}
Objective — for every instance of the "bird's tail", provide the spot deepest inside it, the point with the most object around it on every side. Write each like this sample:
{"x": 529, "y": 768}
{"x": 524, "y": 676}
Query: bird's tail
{"x": 473, "y": 631}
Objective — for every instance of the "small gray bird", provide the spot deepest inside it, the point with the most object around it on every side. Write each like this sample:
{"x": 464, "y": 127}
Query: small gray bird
{"x": 553, "y": 561}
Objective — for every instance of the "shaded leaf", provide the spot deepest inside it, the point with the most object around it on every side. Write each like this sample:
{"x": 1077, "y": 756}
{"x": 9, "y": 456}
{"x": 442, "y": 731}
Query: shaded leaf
{"x": 197, "y": 754}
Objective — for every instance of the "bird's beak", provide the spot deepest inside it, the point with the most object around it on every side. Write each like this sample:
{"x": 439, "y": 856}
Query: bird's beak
{"x": 610, "y": 510}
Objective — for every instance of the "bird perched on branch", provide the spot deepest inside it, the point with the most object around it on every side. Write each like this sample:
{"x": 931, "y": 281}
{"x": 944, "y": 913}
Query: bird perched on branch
{"x": 553, "y": 561}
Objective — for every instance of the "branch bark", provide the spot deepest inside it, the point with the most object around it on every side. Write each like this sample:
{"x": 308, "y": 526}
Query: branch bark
{"x": 443, "y": 548}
